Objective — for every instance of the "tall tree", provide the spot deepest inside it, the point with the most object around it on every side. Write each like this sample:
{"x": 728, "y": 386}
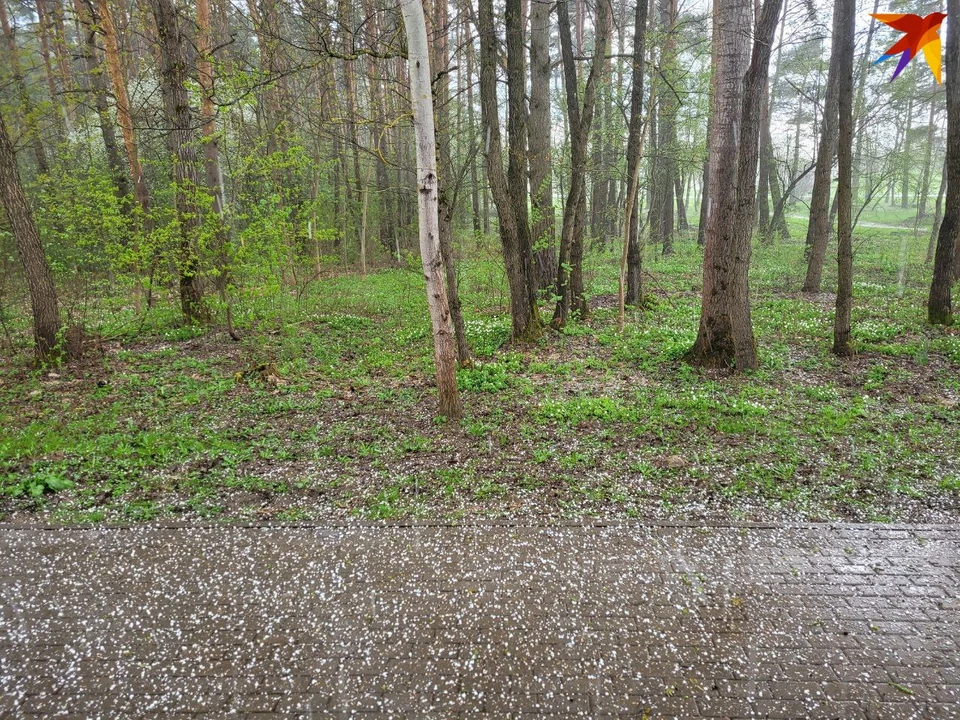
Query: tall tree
{"x": 725, "y": 337}
{"x": 844, "y": 42}
{"x": 43, "y": 293}
{"x": 448, "y": 186}
{"x": 818, "y": 229}
{"x": 570, "y": 267}
{"x": 428, "y": 196}
{"x": 665, "y": 168}
{"x": 97, "y": 85}
{"x": 539, "y": 145}
{"x": 29, "y": 116}
{"x": 940, "y": 303}
{"x": 517, "y": 254}
{"x": 631, "y": 264}
{"x": 211, "y": 155}
{"x": 121, "y": 97}
{"x": 181, "y": 142}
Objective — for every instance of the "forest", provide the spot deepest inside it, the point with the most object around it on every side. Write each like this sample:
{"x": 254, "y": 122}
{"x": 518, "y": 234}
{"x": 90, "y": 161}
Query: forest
{"x": 303, "y": 259}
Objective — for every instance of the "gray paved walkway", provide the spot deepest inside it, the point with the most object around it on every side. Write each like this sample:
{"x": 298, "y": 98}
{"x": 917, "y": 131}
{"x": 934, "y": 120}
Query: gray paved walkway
{"x": 629, "y": 620}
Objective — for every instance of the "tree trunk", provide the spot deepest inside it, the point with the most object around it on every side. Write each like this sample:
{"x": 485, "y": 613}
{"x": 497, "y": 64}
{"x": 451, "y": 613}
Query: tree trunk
{"x": 818, "y": 229}
{"x": 428, "y": 196}
{"x": 631, "y": 270}
{"x": 181, "y": 142}
{"x": 478, "y": 225}
{"x": 517, "y": 140}
{"x": 211, "y": 155}
{"x": 43, "y": 30}
{"x": 55, "y": 10}
{"x": 843, "y": 47}
{"x": 43, "y": 293}
{"x": 525, "y": 314}
{"x": 571, "y": 242}
{"x": 939, "y": 304}
{"x": 26, "y": 104}
{"x": 937, "y": 216}
{"x": 124, "y": 118}
{"x": 866, "y": 62}
{"x": 440, "y": 62}
{"x": 927, "y": 162}
{"x": 543, "y": 233}
{"x": 705, "y": 200}
{"x": 725, "y": 337}
{"x": 98, "y": 89}
{"x": 768, "y": 169}
{"x": 662, "y": 209}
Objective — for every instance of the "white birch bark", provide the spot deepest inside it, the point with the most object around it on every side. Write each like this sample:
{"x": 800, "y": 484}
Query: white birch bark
{"x": 444, "y": 347}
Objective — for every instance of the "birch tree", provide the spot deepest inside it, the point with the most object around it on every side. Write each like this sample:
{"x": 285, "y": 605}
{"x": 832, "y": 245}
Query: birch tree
{"x": 428, "y": 196}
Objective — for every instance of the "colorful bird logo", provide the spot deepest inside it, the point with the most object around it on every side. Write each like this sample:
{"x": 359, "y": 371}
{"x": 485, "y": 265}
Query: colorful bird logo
{"x": 921, "y": 34}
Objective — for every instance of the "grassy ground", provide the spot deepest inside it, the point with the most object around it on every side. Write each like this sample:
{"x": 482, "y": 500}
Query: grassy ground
{"x": 325, "y": 408}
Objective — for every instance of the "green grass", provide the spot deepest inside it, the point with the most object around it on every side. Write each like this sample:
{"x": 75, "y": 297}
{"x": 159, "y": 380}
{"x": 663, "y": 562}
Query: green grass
{"x": 172, "y": 421}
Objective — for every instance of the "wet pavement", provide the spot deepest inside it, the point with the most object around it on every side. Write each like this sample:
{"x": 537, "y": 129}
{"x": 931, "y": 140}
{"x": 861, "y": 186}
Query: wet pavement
{"x": 416, "y": 621}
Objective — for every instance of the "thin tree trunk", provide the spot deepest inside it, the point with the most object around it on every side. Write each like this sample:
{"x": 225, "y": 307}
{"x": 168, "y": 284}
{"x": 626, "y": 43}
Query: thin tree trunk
{"x": 446, "y": 184}
{"x": 98, "y": 89}
{"x": 478, "y": 226}
{"x": 907, "y": 150}
{"x": 26, "y": 104}
{"x": 43, "y": 30}
{"x": 631, "y": 270}
{"x": 124, "y": 118}
{"x": 428, "y": 196}
{"x": 937, "y": 216}
{"x": 571, "y": 243}
{"x": 927, "y": 161}
{"x": 211, "y": 154}
{"x": 940, "y": 303}
{"x": 818, "y": 229}
{"x": 43, "y": 293}
{"x": 866, "y": 61}
{"x": 844, "y": 48}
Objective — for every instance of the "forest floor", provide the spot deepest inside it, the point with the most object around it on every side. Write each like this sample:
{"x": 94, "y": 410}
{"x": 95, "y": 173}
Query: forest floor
{"x": 325, "y": 408}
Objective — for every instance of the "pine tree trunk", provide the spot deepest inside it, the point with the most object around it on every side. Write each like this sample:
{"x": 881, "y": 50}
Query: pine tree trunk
{"x": 43, "y": 293}
{"x": 98, "y": 89}
{"x": 940, "y": 303}
{"x": 444, "y": 344}
{"x": 43, "y": 30}
{"x": 844, "y": 48}
{"x": 124, "y": 118}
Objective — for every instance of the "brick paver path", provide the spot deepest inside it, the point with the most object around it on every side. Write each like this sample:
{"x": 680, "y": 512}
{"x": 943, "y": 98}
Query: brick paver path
{"x": 484, "y": 620}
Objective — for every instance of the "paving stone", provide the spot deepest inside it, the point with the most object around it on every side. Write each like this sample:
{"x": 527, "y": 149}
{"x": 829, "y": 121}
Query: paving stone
{"x": 498, "y": 621}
